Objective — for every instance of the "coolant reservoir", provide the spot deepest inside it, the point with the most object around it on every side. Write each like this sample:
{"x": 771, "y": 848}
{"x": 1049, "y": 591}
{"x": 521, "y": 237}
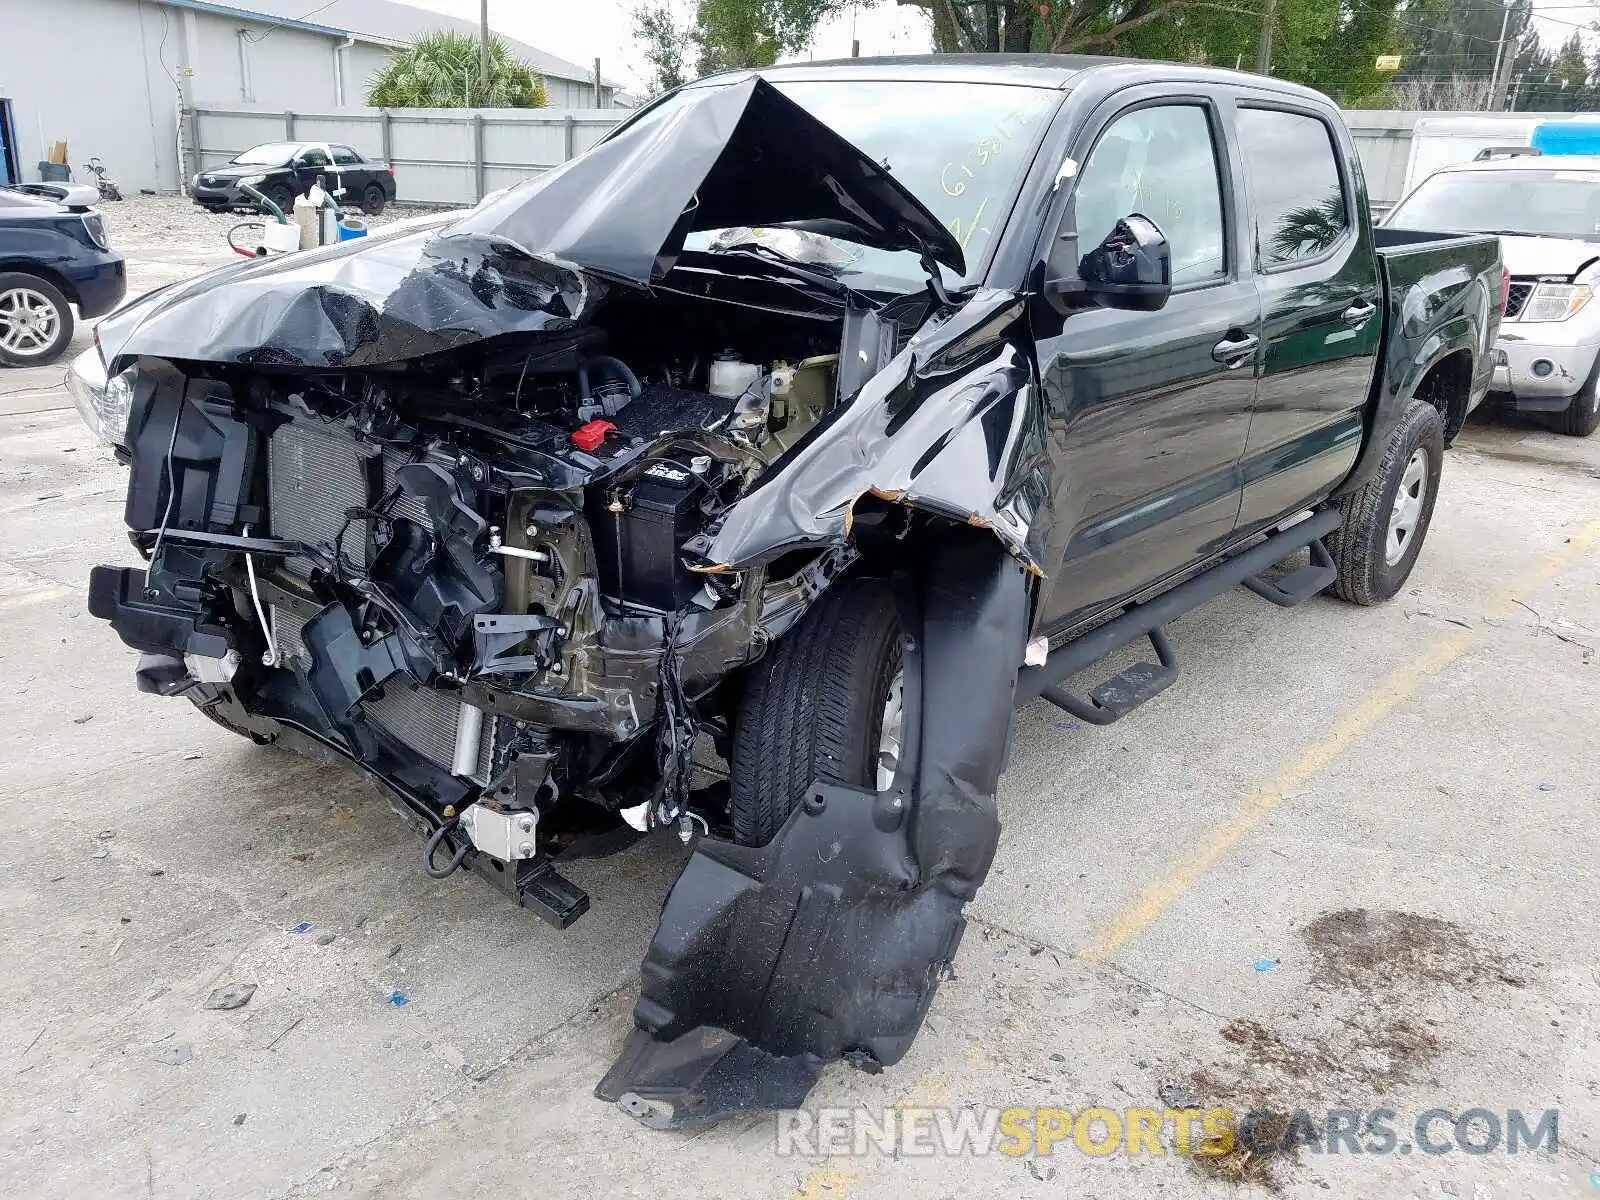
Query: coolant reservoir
{"x": 730, "y": 378}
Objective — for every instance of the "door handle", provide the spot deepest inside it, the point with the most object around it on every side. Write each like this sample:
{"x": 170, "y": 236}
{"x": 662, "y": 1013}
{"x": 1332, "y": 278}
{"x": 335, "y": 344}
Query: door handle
{"x": 1234, "y": 352}
{"x": 1358, "y": 313}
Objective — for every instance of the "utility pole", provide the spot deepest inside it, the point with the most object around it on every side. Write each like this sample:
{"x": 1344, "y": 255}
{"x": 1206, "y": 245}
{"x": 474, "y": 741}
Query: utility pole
{"x": 1497, "y": 96}
{"x": 483, "y": 47}
{"x": 1264, "y": 46}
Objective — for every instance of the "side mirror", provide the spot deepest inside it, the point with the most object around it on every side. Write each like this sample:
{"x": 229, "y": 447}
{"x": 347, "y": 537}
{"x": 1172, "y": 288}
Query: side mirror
{"x": 1131, "y": 268}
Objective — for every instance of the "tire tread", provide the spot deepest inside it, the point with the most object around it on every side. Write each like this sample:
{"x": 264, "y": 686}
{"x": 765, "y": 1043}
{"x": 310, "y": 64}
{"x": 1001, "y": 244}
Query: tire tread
{"x": 810, "y": 707}
{"x": 1357, "y": 545}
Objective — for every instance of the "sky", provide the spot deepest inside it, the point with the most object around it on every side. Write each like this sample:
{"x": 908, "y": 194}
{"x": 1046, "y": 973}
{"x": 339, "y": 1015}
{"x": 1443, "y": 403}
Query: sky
{"x": 581, "y": 29}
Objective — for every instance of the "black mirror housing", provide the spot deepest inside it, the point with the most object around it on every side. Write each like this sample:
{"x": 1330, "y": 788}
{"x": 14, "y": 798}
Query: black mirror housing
{"x": 1131, "y": 268}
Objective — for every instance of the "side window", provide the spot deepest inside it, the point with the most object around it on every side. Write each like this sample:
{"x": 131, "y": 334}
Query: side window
{"x": 1300, "y": 204}
{"x": 313, "y": 158}
{"x": 1161, "y": 162}
{"x": 345, "y": 156}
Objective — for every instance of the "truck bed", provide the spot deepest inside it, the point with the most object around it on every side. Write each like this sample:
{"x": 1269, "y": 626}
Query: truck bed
{"x": 1441, "y": 290}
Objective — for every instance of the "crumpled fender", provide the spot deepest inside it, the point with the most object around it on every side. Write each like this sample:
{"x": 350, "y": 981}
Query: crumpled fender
{"x": 953, "y": 424}
{"x": 829, "y": 941}
{"x": 396, "y": 298}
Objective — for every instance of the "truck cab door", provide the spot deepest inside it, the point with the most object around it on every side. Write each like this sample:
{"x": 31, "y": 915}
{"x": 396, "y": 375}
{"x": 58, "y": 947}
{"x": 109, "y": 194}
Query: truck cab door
{"x": 1322, "y": 302}
{"x": 1147, "y": 411}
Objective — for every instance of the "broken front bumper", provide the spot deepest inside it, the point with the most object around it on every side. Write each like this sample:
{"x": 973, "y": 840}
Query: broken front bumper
{"x": 1541, "y": 367}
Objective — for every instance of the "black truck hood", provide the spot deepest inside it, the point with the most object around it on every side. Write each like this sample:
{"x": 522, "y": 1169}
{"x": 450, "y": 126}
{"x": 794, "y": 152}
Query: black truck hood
{"x": 710, "y": 158}
{"x": 716, "y": 157}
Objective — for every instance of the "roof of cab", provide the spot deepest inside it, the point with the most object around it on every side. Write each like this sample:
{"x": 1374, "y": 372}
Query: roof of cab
{"x": 1058, "y": 71}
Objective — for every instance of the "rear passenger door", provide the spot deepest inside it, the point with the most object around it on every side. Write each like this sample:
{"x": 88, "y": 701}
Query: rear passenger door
{"x": 1321, "y": 305}
{"x": 1148, "y": 411}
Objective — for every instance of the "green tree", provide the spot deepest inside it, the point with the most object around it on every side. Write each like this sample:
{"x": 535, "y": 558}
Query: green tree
{"x": 444, "y": 70}
{"x": 1329, "y": 44}
{"x": 722, "y": 35}
{"x": 665, "y": 46}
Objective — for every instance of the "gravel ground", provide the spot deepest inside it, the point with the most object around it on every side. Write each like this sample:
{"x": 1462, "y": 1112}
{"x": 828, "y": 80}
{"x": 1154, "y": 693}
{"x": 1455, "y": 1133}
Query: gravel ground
{"x": 168, "y": 219}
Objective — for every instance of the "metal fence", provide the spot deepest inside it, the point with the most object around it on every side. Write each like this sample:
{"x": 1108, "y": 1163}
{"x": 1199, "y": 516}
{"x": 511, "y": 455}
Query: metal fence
{"x": 454, "y": 156}
{"x": 444, "y": 156}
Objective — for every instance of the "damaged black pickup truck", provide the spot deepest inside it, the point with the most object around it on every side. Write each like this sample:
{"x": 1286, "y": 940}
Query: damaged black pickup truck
{"x": 816, "y": 419}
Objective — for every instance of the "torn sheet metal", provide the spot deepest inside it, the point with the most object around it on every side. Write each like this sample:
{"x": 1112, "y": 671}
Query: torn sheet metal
{"x": 534, "y": 259}
{"x": 395, "y": 299}
{"x": 829, "y": 942}
{"x": 953, "y": 424}
{"x": 741, "y": 154}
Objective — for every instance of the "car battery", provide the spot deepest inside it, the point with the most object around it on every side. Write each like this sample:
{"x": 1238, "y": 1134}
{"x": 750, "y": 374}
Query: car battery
{"x": 637, "y": 550}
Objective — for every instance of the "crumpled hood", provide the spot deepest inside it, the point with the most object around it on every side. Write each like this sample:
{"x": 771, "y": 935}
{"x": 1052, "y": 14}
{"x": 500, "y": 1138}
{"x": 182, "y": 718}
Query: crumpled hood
{"x": 393, "y": 299}
{"x": 535, "y": 258}
{"x": 1547, "y": 255}
{"x": 709, "y": 158}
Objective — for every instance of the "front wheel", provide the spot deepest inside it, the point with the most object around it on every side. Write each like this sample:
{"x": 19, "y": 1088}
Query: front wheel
{"x": 827, "y": 702}
{"x": 1386, "y": 521}
{"x": 1582, "y": 416}
{"x": 35, "y": 321}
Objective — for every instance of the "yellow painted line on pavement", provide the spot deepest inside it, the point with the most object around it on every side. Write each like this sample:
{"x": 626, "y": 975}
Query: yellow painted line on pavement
{"x": 1256, "y": 806}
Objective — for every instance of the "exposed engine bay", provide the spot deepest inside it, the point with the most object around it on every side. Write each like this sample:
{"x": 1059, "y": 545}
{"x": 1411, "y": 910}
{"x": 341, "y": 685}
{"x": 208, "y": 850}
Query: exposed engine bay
{"x": 484, "y": 564}
{"x": 510, "y": 509}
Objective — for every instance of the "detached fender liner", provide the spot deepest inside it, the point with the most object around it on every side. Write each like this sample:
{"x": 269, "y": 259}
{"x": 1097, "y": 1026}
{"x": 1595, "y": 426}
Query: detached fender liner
{"x": 829, "y": 942}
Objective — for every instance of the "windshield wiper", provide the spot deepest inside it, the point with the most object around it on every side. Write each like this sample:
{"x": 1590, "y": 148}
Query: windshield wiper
{"x": 822, "y": 276}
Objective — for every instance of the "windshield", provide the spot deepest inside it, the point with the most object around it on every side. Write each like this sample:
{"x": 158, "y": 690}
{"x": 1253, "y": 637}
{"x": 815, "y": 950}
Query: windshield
{"x": 1551, "y": 203}
{"x": 960, "y": 148}
{"x": 273, "y": 154}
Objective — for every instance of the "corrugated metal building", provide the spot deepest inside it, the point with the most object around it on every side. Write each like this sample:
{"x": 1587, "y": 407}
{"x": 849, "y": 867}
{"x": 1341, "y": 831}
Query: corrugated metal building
{"x": 106, "y": 75}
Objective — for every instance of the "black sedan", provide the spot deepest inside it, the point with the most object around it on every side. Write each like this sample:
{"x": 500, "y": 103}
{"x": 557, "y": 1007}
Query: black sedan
{"x": 52, "y": 256}
{"x": 283, "y": 170}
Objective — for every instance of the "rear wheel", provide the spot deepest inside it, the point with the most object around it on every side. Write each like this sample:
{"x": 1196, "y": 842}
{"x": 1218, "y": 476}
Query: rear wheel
{"x": 1386, "y": 521}
{"x": 373, "y": 200}
{"x": 1582, "y": 416}
{"x": 826, "y": 703}
{"x": 35, "y": 321}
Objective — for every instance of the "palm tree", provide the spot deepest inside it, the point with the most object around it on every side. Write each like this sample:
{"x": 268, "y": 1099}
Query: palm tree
{"x": 442, "y": 70}
{"x": 1307, "y": 230}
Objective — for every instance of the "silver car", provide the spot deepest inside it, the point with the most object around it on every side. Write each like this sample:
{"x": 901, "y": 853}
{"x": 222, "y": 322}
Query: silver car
{"x": 1547, "y": 213}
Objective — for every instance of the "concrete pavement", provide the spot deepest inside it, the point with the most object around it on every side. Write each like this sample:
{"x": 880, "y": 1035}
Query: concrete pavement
{"x": 1350, "y": 860}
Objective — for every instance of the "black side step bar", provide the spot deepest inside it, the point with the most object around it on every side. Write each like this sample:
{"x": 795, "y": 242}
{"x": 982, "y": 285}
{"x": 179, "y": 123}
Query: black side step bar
{"x": 1299, "y": 585}
{"x": 1124, "y": 691}
{"x": 1127, "y": 690}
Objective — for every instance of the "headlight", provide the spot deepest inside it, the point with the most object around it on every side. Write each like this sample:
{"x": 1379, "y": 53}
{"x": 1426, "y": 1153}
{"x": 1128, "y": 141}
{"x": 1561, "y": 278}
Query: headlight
{"x": 195, "y": 182}
{"x": 1556, "y": 301}
{"x": 251, "y": 180}
{"x": 102, "y": 403}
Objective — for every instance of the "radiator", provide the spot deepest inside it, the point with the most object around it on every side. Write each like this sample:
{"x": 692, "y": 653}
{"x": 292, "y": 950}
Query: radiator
{"x": 418, "y": 717}
{"x": 315, "y": 474}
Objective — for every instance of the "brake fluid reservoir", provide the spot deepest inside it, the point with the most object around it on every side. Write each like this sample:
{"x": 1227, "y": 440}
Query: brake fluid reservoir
{"x": 729, "y": 377}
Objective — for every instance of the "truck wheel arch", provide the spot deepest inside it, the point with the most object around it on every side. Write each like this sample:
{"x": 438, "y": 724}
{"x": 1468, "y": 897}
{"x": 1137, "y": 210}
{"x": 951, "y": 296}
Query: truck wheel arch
{"x": 1447, "y": 385}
